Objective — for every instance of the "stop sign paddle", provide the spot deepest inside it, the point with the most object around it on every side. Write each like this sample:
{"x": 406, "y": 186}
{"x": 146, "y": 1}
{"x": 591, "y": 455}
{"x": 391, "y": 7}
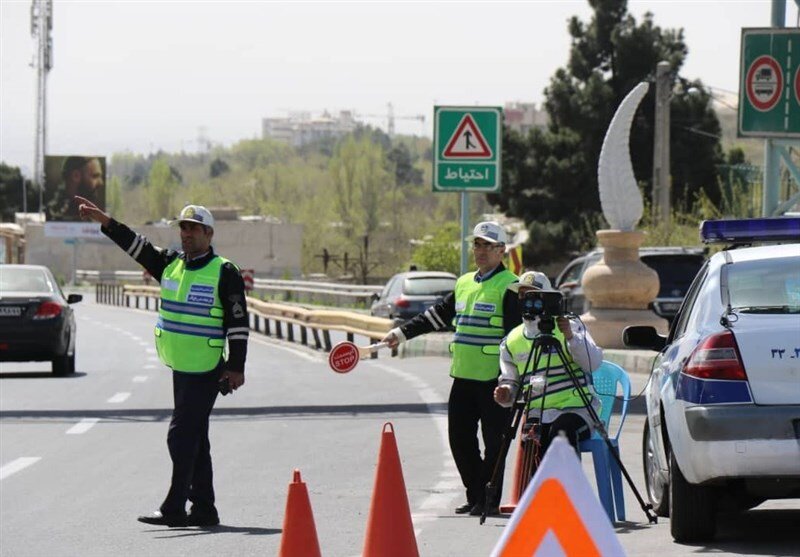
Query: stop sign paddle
{"x": 345, "y": 355}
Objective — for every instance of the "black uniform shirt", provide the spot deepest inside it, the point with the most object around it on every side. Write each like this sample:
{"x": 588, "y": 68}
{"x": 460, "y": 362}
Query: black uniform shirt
{"x": 231, "y": 286}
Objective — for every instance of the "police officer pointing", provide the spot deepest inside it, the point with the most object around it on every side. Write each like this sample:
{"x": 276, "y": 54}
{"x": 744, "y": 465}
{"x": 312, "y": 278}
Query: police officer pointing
{"x": 484, "y": 311}
{"x": 202, "y": 306}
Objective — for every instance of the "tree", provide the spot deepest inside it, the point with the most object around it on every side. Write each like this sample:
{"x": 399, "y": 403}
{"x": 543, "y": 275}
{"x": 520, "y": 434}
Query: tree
{"x": 161, "y": 186}
{"x": 441, "y": 252}
{"x": 11, "y": 181}
{"x": 359, "y": 177}
{"x": 550, "y": 176}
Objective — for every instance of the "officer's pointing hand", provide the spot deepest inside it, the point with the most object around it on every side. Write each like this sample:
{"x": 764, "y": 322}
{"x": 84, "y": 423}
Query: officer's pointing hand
{"x": 90, "y": 211}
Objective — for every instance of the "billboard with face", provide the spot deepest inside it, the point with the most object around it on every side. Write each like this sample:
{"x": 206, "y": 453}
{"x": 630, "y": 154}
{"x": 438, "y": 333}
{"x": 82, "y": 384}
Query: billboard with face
{"x": 68, "y": 176}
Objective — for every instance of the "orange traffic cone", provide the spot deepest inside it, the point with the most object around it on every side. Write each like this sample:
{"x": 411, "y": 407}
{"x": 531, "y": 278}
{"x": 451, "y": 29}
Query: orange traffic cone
{"x": 390, "y": 532}
{"x": 522, "y": 474}
{"x": 299, "y": 538}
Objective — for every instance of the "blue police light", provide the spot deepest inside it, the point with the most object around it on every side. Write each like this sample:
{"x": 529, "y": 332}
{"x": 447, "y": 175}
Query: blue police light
{"x": 745, "y": 231}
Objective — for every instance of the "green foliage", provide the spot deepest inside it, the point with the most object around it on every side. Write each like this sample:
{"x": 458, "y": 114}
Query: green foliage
{"x": 114, "y": 197}
{"x": 550, "y": 176}
{"x": 441, "y": 252}
{"x": 161, "y": 186}
{"x": 218, "y": 167}
{"x": 11, "y": 181}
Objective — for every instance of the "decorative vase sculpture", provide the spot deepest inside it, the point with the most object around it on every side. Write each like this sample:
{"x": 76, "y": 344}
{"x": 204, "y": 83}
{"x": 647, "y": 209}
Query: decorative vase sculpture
{"x": 619, "y": 286}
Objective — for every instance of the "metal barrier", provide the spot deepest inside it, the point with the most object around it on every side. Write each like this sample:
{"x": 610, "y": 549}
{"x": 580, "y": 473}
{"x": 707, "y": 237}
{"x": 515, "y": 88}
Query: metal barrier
{"x": 282, "y": 321}
{"x": 299, "y": 290}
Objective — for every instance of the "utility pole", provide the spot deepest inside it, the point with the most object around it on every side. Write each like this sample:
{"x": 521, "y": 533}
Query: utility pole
{"x": 41, "y": 26}
{"x": 661, "y": 174}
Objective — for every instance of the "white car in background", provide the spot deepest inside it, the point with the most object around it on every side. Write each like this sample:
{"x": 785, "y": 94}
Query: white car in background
{"x": 723, "y": 403}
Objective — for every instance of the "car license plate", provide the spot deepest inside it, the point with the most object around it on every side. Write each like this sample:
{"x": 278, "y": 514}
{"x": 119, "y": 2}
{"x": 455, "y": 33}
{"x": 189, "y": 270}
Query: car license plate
{"x": 10, "y": 311}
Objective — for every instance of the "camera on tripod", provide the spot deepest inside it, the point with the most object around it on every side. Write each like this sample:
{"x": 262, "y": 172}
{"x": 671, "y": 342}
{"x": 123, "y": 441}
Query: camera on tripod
{"x": 541, "y": 303}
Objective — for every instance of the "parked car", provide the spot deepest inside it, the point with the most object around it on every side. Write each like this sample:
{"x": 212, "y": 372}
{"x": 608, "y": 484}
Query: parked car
{"x": 407, "y": 294}
{"x": 36, "y": 321}
{"x": 722, "y": 430}
{"x": 676, "y": 267}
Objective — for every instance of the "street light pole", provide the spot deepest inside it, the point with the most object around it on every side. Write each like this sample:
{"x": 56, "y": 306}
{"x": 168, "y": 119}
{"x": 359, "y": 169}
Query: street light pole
{"x": 661, "y": 175}
{"x": 41, "y": 26}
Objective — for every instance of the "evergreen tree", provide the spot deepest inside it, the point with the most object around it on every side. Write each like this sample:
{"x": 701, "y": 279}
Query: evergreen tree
{"x": 550, "y": 176}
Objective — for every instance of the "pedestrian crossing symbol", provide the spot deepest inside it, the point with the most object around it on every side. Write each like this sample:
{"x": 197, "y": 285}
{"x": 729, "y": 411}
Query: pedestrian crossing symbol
{"x": 467, "y": 141}
{"x": 467, "y": 148}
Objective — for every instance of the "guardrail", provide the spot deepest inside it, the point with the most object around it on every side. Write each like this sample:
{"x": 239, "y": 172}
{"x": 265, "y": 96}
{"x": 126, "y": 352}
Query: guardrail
{"x": 282, "y": 321}
{"x": 292, "y": 290}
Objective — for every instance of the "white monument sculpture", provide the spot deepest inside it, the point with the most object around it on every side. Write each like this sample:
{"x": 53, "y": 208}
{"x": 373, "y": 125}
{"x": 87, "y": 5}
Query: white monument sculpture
{"x": 620, "y": 286}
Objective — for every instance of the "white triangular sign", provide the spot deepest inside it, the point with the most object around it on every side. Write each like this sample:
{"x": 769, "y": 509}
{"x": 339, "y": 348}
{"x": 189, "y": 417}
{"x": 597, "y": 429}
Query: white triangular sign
{"x": 467, "y": 141}
{"x": 559, "y": 513}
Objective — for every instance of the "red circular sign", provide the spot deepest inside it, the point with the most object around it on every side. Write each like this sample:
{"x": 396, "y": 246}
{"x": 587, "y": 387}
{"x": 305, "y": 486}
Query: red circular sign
{"x": 764, "y": 83}
{"x": 797, "y": 85}
{"x": 343, "y": 357}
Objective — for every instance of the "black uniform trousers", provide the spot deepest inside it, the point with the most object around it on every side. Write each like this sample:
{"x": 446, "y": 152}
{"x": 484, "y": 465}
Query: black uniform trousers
{"x": 472, "y": 402}
{"x": 192, "y": 477}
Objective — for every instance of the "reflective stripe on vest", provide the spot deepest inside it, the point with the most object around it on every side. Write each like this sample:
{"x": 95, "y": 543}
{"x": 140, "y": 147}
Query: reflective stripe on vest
{"x": 560, "y": 392}
{"x": 479, "y": 326}
{"x": 189, "y": 333}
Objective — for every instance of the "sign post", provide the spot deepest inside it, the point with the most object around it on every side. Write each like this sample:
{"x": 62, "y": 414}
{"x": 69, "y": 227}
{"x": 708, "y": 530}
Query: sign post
{"x": 467, "y": 155}
{"x": 769, "y": 99}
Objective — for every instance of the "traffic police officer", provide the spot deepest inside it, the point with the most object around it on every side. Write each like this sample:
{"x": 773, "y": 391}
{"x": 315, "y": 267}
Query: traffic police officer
{"x": 562, "y": 405}
{"x": 483, "y": 311}
{"x": 202, "y": 306}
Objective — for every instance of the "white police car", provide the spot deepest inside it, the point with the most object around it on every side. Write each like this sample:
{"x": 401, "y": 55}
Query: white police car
{"x": 723, "y": 403}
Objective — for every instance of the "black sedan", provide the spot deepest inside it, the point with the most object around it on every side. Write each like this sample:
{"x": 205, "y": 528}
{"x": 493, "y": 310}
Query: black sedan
{"x": 36, "y": 322}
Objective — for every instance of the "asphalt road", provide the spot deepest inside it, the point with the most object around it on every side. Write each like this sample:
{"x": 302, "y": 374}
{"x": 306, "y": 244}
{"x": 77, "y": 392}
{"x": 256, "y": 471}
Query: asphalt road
{"x": 81, "y": 457}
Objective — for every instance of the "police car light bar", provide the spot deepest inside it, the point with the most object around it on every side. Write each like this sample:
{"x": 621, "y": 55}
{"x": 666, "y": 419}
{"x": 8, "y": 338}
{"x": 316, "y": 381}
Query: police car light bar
{"x": 775, "y": 229}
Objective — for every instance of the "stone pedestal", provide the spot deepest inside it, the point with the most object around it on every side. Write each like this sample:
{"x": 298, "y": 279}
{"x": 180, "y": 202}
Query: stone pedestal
{"x": 619, "y": 287}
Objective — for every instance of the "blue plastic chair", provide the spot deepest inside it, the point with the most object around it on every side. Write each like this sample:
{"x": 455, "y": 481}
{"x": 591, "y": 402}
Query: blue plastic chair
{"x": 607, "y": 379}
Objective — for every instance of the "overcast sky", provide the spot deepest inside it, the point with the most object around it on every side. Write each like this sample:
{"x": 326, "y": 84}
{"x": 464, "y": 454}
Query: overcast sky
{"x": 144, "y": 75}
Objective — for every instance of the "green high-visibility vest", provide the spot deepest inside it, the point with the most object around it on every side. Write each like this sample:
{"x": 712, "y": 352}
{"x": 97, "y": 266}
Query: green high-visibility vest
{"x": 189, "y": 334}
{"x": 560, "y": 393}
{"x": 479, "y": 326}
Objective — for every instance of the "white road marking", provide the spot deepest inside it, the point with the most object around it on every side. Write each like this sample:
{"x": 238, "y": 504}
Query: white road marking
{"x": 301, "y": 353}
{"x": 119, "y": 397}
{"x": 141, "y": 378}
{"x": 150, "y": 366}
{"x": 449, "y": 485}
{"x": 16, "y": 465}
{"x": 150, "y": 350}
{"x": 82, "y": 426}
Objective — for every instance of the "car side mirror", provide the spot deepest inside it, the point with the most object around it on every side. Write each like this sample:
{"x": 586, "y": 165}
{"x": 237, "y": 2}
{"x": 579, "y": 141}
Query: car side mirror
{"x": 74, "y": 298}
{"x": 375, "y": 297}
{"x": 641, "y": 336}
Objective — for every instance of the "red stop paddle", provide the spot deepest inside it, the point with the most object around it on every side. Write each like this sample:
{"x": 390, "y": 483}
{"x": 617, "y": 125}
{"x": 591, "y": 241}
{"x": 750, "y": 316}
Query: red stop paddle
{"x": 345, "y": 355}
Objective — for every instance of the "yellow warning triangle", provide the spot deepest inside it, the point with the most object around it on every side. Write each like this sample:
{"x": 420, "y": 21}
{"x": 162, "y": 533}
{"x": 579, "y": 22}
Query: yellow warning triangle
{"x": 559, "y": 513}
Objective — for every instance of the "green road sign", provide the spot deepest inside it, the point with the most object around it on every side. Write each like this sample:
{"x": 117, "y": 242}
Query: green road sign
{"x": 467, "y": 148}
{"x": 769, "y": 83}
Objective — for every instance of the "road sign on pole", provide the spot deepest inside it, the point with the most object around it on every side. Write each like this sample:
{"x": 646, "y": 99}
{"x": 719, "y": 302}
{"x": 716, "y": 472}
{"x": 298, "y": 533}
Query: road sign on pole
{"x": 467, "y": 143}
{"x": 769, "y": 83}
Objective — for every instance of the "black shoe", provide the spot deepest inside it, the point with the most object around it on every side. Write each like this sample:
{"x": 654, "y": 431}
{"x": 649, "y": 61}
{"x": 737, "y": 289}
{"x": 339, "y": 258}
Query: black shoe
{"x": 477, "y": 510}
{"x": 464, "y": 509}
{"x": 160, "y": 519}
{"x": 201, "y": 519}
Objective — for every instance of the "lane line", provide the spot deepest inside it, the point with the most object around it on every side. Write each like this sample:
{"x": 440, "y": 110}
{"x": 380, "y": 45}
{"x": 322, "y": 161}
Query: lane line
{"x": 141, "y": 378}
{"x": 119, "y": 397}
{"x": 16, "y": 465}
{"x": 82, "y": 426}
{"x": 150, "y": 366}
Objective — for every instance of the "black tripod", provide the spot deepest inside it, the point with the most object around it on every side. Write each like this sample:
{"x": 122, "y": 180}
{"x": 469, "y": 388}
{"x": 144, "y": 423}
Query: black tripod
{"x": 546, "y": 342}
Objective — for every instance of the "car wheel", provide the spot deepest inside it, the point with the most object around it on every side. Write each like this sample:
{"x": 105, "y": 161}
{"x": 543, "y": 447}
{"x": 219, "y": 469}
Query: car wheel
{"x": 692, "y": 508}
{"x": 657, "y": 488}
{"x": 63, "y": 365}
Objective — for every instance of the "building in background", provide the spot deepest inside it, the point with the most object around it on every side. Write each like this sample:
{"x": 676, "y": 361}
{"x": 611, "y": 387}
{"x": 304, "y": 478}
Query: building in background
{"x": 523, "y": 117}
{"x": 300, "y": 128}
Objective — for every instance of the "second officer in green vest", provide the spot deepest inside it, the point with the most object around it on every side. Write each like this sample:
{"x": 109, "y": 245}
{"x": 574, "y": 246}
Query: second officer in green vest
{"x": 483, "y": 310}
{"x": 556, "y": 406}
{"x": 203, "y": 308}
